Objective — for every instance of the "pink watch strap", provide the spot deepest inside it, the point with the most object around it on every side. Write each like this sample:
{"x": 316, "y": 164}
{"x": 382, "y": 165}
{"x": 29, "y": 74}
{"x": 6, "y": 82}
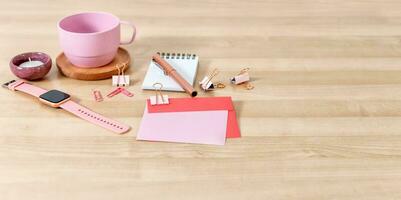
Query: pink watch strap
{"x": 22, "y": 86}
{"x": 93, "y": 117}
{"x": 72, "y": 107}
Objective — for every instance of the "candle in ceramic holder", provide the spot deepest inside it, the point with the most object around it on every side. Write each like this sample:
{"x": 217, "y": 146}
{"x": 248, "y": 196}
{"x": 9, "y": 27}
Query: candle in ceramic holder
{"x": 31, "y": 65}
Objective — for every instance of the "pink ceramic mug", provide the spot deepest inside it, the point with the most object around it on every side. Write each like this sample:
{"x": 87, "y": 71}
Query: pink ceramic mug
{"x": 91, "y": 39}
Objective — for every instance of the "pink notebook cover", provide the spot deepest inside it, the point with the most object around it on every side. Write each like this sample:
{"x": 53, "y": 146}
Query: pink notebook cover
{"x": 200, "y": 127}
{"x": 202, "y": 104}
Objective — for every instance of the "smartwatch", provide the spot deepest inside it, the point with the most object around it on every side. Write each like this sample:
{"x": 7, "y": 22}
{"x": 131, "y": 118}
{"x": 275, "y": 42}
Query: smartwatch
{"x": 58, "y": 99}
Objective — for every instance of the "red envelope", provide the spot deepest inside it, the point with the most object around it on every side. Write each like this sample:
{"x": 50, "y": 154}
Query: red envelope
{"x": 202, "y": 104}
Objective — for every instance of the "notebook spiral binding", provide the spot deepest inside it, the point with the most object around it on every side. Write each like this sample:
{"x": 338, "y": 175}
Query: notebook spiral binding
{"x": 176, "y": 55}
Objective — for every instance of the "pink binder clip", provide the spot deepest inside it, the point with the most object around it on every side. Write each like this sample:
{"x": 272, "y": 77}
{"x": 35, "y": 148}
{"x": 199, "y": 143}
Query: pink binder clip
{"x": 159, "y": 98}
{"x": 120, "y": 79}
{"x": 206, "y": 83}
{"x": 242, "y": 77}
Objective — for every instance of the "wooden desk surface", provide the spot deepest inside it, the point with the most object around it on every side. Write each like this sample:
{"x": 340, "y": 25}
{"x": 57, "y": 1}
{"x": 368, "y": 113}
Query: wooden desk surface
{"x": 323, "y": 122}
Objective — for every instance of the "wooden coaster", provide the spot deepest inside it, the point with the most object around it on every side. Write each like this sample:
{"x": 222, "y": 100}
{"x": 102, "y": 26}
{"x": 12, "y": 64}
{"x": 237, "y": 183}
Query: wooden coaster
{"x": 91, "y": 74}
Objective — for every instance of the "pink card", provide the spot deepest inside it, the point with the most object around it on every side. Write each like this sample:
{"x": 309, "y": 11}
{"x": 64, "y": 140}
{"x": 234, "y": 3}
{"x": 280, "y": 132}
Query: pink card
{"x": 200, "y": 127}
{"x": 202, "y": 104}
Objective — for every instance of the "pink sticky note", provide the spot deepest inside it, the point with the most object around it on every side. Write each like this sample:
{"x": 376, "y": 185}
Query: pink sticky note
{"x": 202, "y": 104}
{"x": 200, "y": 127}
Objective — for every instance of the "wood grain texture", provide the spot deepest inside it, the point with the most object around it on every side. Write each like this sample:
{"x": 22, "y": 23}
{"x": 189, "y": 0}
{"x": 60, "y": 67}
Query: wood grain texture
{"x": 323, "y": 122}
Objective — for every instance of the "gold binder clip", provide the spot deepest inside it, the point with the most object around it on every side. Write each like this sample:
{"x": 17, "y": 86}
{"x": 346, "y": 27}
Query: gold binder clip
{"x": 120, "y": 79}
{"x": 159, "y": 98}
{"x": 207, "y": 84}
{"x": 249, "y": 86}
{"x": 220, "y": 85}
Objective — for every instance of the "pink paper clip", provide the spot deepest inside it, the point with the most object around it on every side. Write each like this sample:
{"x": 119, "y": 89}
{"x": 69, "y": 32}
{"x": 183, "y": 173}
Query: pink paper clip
{"x": 126, "y": 92}
{"x": 119, "y": 90}
{"x": 98, "y": 96}
{"x": 115, "y": 92}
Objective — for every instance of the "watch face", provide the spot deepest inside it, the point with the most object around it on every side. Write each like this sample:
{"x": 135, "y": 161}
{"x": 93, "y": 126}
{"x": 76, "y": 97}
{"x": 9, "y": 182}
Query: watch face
{"x": 54, "y": 96}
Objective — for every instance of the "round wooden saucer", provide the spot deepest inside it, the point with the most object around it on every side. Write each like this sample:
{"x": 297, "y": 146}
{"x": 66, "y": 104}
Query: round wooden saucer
{"x": 91, "y": 74}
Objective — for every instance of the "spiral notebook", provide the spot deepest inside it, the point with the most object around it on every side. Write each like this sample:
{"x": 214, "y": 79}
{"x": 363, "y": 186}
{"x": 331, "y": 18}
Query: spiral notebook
{"x": 185, "y": 64}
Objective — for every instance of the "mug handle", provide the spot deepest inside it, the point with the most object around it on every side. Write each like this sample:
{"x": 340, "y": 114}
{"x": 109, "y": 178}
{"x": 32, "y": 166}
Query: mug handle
{"x": 133, "y": 33}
